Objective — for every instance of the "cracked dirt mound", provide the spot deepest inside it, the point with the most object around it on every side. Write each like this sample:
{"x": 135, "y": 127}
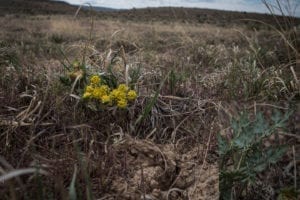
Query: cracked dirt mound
{"x": 152, "y": 171}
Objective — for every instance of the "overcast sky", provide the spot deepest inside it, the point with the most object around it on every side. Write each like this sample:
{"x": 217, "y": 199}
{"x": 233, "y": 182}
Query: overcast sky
{"x": 236, "y": 5}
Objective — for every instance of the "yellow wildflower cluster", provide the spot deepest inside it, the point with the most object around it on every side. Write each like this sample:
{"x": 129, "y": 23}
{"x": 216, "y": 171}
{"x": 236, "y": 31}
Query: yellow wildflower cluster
{"x": 119, "y": 96}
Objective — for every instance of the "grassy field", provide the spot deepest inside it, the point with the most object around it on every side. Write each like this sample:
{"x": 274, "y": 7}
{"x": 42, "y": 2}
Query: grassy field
{"x": 216, "y": 116}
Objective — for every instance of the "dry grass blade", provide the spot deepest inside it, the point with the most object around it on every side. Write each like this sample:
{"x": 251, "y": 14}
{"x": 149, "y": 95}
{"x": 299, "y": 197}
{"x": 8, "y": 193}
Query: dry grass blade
{"x": 18, "y": 172}
{"x": 9, "y": 168}
{"x": 13, "y": 123}
{"x": 286, "y": 40}
{"x": 295, "y": 78}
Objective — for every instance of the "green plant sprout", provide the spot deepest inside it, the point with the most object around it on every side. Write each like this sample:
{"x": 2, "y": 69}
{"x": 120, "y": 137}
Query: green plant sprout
{"x": 244, "y": 156}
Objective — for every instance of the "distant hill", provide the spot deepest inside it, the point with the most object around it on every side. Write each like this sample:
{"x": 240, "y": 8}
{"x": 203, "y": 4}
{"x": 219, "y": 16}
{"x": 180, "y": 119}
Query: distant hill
{"x": 33, "y": 7}
{"x": 101, "y": 9}
{"x": 164, "y": 14}
{"x": 194, "y": 15}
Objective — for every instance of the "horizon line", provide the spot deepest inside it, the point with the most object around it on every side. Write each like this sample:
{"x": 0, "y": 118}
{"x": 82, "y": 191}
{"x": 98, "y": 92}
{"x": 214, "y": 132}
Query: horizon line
{"x": 130, "y": 7}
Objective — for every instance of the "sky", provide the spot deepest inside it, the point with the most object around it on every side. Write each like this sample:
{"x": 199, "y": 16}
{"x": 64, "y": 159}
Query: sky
{"x": 235, "y": 5}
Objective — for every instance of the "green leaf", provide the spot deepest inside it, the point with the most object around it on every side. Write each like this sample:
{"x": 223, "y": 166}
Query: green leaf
{"x": 134, "y": 74}
{"x": 235, "y": 127}
{"x": 110, "y": 78}
{"x": 259, "y": 165}
{"x": 229, "y": 178}
{"x": 244, "y": 120}
{"x": 72, "y": 188}
{"x": 65, "y": 80}
{"x": 245, "y": 139}
{"x": 241, "y": 142}
{"x": 279, "y": 119}
{"x": 276, "y": 117}
{"x": 260, "y": 126}
{"x": 273, "y": 155}
{"x": 260, "y": 160}
{"x": 149, "y": 106}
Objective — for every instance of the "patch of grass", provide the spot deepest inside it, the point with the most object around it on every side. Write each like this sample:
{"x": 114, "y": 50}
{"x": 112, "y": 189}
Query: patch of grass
{"x": 164, "y": 144}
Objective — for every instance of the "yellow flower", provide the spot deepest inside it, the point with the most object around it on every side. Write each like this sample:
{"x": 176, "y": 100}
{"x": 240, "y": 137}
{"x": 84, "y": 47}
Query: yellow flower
{"x": 122, "y": 103}
{"x": 95, "y": 80}
{"x": 89, "y": 89}
{"x": 104, "y": 89}
{"x": 123, "y": 88}
{"x": 97, "y": 93}
{"x": 122, "y": 95}
{"x": 131, "y": 95}
{"x": 113, "y": 94}
{"x": 118, "y": 95}
{"x": 105, "y": 99}
{"x": 87, "y": 95}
